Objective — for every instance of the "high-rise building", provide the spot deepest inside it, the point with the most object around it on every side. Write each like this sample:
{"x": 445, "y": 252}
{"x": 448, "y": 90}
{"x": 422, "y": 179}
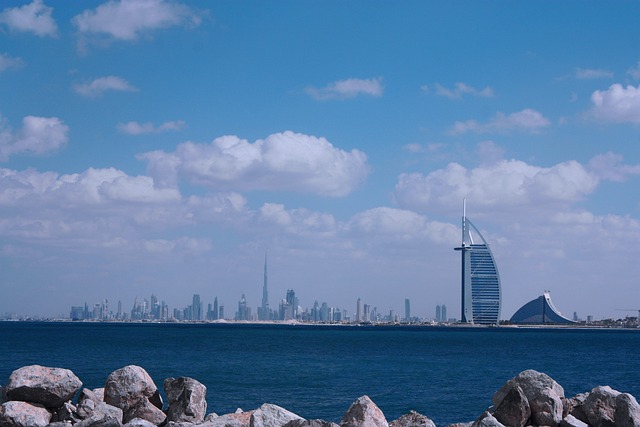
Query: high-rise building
{"x": 407, "y": 310}
{"x": 216, "y": 313}
{"x": 481, "y": 297}
{"x": 443, "y": 315}
{"x": 366, "y": 315}
{"x": 196, "y": 308}
{"x": 243, "y": 310}
{"x": 358, "y": 310}
{"x": 438, "y": 313}
{"x": 264, "y": 313}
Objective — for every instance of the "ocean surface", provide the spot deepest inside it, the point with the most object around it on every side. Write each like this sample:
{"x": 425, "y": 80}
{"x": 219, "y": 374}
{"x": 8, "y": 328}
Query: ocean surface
{"x": 448, "y": 374}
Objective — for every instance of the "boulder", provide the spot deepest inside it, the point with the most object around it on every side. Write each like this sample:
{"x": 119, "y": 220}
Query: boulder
{"x": 363, "y": 413}
{"x": 139, "y": 422}
{"x": 546, "y": 408}
{"x": 310, "y": 423}
{"x": 237, "y": 419}
{"x": 187, "y": 400}
{"x": 532, "y": 383}
{"x": 23, "y": 414}
{"x": 571, "y": 421}
{"x": 97, "y": 414}
{"x": 64, "y": 413}
{"x": 99, "y": 392}
{"x": 576, "y": 403}
{"x": 600, "y": 406}
{"x": 269, "y": 415}
{"x": 514, "y": 410}
{"x": 50, "y": 387}
{"x": 487, "y": 420}
{"x": 132, "y": 390}
{"x": 627, "y": 411}
{"x": 412, "y": 419}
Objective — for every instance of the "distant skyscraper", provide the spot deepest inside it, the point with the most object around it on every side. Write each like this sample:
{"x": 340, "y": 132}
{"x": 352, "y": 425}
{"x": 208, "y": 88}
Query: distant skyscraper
{"x": 480, "y": 278}
{"x": 243, "y": 310}
{"x": 358, "y": 310}
{"x": 196, "y": 309}
{"x": 438, "y": 313}
{"x": 366, "y": 315}
{"x": 216, "y": 314}
{"x": 264, "y": 313}
{"x": 443, "y": 315}
{"x": 407, "y": 310}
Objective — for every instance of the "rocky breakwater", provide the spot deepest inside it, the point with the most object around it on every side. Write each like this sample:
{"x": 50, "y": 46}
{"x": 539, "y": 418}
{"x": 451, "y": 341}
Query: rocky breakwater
{"x": 37, "y": 396}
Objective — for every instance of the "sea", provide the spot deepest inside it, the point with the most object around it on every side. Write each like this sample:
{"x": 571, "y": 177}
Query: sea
{"x": 446, "y": 373}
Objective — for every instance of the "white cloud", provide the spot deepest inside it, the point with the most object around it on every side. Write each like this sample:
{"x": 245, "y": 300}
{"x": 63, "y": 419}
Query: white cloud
{"x": 499, "y": 185}
{"x": 460, "y": 89}
{"x": 592, "y": 73}
{"x": 129, "y": 19}
{"x": 527, "y": 120}
{"x": 34, "y": 17}
{"x": 100, "y": 85}
{"x": 38, "y": 135}
{"x": 617, "y": 104}
{"x": 609, "y": 166}
{"x": 345, "y": 89}
{"x": 135, "y": 128}
{"x": 634, "y": 72}
{"x": 285, "y": 161}
{"x": 7, "y": 62}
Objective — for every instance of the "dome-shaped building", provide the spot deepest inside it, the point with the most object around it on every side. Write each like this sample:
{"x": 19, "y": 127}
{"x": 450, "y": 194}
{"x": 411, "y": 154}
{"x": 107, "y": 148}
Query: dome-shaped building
{"x": 540, "y": 311}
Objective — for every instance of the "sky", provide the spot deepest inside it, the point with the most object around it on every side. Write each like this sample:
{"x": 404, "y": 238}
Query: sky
{"x": 164, "y": 147}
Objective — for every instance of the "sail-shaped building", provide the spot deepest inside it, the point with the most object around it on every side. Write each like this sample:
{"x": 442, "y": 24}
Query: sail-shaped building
{"x": 481, "y": 291}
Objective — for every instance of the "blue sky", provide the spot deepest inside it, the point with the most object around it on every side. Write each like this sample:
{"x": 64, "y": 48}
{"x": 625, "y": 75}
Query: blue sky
{"x": 162, "y": 147}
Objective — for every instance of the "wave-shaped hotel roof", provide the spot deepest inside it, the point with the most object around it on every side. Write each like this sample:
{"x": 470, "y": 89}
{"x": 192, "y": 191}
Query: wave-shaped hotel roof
{"x": 540, "y": 311}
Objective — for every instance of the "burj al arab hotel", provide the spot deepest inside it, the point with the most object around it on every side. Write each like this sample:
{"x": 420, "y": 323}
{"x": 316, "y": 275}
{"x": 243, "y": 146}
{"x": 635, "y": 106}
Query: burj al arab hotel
{"x": 481, "y": 293}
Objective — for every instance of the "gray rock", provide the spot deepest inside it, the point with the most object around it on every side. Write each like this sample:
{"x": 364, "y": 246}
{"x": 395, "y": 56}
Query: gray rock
{"x": 627, "y": 411}
{"x": 532, "y": 383}
{"x": 60, "y": 424}
{"x": 139, "y": 422}
{"x": 3, "y": 394}
{"x": 181, "y": 424}
{"x": 269, "y": 415}
{"x": 412, "y": 419}
{"x": 99, "y": 392}
{"x": 64, "y": 413}
{"x": 487, "y": 420}
{"x": 546, "y": 408}
{"x": 363, "y": 413}
{"x": 187, "y": 400}
{"x": 237, "y": 419}
{"x": 571, "y": 421}
{"x": 50, "y": 387}
{"x": 210, "y": 417}
{"x": 23, "y": 414}
{"x": 600, "y": 407}
{"x": 576, "y": 403}
{"x": 132, "y": 390}
{"x": 98, "y": 414}
{"x": 514, "y": 410}
{"x": 310, "y": 423}
{"x": 469, "y": 424}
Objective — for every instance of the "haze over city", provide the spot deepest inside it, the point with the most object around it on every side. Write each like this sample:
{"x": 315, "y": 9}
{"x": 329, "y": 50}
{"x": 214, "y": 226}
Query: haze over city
{"x": 162, "y": 147}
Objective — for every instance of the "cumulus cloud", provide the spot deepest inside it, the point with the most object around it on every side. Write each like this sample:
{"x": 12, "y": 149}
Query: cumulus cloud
{"x": 7, "y": 62}
{"x": 459, "y": 90}
{"x": 527, "y": 120}
{"x": 135, "y": 128}
{"x": 617, "y": 104}
{"x": 501, "y": 184}
{"x": 285, "y": 161}
{"x": 345, "y": 89}
{"x": 592, "y": 73}
{"x": 609, "y": 167}
{"x": 38, "y": 135}
{"x": 100, "y": 85}
{"x": 34, "y": 17}
{"x": 129, "y": 19}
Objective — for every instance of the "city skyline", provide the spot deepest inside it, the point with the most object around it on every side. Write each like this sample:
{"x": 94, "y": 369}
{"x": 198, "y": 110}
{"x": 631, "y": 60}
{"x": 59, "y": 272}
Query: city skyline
{"x": 169, "y": 151}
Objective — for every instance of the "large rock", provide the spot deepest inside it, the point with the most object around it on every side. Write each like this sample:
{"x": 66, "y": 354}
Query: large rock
{"x": 627, "y": 411}
{"x": 50, "y": 387}
{"x": 310, "y": 423}
{"x": 132, "y": 390}
{"x": 237, "y": 419}
{"x": 363, "y": 413}
{"x": 412, "y": 419}
{"x": 576, "y": 404}
{"x": 187, "y": 400}
{"x": 600, "y": 406}
{"x": 94, "y": 413}
{"x": 487, "y": 420}
{"x": 532, "y": 383}
{"x": 571, "y": 421}
{"x": 23, "y": 414}
{"x": 514, "y": 409}
{"x": 269, "y": 415}
{"x": 139, "y": 422}
{"x": 546, "y": 408}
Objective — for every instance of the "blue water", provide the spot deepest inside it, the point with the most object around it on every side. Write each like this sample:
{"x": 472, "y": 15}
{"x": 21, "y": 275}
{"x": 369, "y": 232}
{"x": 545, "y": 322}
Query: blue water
{"x": 448, "y": 374}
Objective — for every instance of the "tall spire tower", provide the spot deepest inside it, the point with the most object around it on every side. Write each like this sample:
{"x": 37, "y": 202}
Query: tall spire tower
{"x": 265, "y": 313}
